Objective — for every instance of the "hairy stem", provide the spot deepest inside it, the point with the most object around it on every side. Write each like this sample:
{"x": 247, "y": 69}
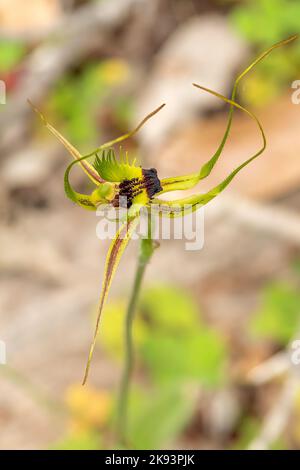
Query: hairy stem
{"x": 147, "y": 247}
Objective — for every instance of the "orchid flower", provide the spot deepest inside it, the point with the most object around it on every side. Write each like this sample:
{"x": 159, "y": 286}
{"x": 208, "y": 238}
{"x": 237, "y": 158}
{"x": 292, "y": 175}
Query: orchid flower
{"x": 116, "y": 177}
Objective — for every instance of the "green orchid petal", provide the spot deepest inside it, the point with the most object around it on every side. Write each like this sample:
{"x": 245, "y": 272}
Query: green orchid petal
{"x": 189, "y": 181}
{"x": 179, "y": 183}
{"x": 115, "y": 252}
{"x": 111, "y": 169}
{"x": 84, "y": 200}
{"x": 189, "y": 204}
{"x": 86, "y": 166}
{"x": 104, "y": 193}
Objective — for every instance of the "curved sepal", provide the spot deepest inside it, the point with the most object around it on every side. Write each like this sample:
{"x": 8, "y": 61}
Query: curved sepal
{"x": 189, "y": 204}
{"x": 115, "y": 252}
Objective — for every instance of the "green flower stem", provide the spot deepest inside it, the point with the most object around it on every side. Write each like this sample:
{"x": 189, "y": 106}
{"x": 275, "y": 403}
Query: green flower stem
{"x": 147, "y": 247}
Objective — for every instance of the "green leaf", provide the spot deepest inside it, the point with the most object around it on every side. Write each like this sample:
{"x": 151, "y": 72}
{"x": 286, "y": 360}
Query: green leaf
{"x": 11, "y": 53}
{"x": 158, "y": 420}
{"x": 279, "y": 315}
{"x": 77, "y": 98}
{"x": 199, "y": 356}
{"x": 84, "y": 440}
{"x": 273, "y": 20}
{"x": 178, "y": 347}
{"x": 75, "y": 101}
{"x": 170, "y": 308}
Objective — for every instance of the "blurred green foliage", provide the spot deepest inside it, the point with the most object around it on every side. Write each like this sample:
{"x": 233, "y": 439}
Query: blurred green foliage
{"x": 170, "y": 309}
{"x": 157, "y": 420}
{"x": 11, "y": 53}
{"x": 85, "y": 440}
{"x": 177, "y": 355}
{"x": 179, "y": 347}
{"x": 249, "y": 428}
{"x": 263, "y": 23}
{"x": 173, "y": 344}
{"x": 198, "y": 356}
{"x": 278, "y": 317}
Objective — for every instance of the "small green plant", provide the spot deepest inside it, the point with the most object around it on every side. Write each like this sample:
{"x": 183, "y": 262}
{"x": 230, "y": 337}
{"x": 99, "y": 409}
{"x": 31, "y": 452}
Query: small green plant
{"x": 118, "y": 178}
